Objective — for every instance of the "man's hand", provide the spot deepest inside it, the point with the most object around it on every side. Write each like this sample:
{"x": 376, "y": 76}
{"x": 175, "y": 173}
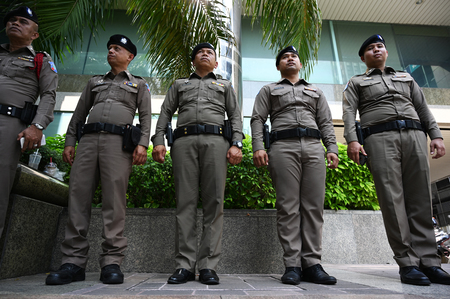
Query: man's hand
{"x": 68, "y": 154}
{"x": 260, "y": 158}
{"x": 234, "y": 155}
{"x": 32, "y": 136}
{"x": 139, "y": 155}
{"x": 159, "y": 153}
{"x": 353, "y": 150}
{"x": 437, "y": 146}
{"x": 333, "y": 160}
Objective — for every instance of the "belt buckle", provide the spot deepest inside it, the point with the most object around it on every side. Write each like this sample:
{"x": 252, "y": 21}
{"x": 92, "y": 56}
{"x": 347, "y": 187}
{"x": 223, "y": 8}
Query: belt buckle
{"x": 99, "y": 127}
{"x": 401, "y": 124}
{"x": 201, "y": 129}
{"x": 301, "y": 132}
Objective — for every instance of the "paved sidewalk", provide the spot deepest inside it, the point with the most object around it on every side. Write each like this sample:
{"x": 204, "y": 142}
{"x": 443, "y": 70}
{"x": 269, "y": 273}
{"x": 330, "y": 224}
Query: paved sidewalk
{"x": 354, "y": 281}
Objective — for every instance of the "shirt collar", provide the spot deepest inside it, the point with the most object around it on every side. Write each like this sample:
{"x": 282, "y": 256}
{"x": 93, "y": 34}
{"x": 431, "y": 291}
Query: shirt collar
{"x": 300, "y": 81}
{"x": 29, "y": 48}
{"x": 195, "y": 75}
{"x": 387, "y": 69}
{"x": 126, "y": 72}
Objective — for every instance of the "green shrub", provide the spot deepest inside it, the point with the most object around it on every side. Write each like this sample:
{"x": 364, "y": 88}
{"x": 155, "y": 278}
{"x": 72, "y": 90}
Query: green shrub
{"x": 151, "y": 185}
{"x": 350, "y": 186}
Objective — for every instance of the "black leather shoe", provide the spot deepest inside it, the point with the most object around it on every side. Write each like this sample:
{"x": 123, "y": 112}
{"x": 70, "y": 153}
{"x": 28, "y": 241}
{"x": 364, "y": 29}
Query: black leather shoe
{"x": 111, "y": 274}
{"x": 292, "y": 275}
{"x": 317, "y": 274}
{"x": 413, "y": 275}
{"x": 437, "y": 275}
{"x": 208, "y": 276}
{"x": 181, "y": 276}
{"x": 66, "y": 274}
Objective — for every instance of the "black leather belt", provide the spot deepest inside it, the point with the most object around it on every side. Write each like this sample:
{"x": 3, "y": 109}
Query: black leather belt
{"x": 11, "y": 111}
{"x": 198, "y": 129}
{"x": 297, "y": 132}
{"x": 98, "y": 127}
{"x": 393, "y": 125}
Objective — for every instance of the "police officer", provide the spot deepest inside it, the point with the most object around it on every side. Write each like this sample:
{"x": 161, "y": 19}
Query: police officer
{"x": 111, "y": 101}
{"x": 24, "y": 75}
{"x": 199, "y": 154}
{"x": 300, "y": 117}
{"x": 394, "y": 117}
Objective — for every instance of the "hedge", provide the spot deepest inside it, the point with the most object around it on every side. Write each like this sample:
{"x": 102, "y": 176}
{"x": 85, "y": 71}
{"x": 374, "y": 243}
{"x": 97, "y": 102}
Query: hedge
{"x": 151, "y": 185}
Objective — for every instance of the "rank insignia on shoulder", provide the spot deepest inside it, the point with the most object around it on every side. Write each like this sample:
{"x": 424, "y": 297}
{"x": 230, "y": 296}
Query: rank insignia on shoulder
{"x": 148, "y": 87}
{"x": 186, "y": 81}
{"x": 127, "y": 83}
{"x": 279, "y": 87}
{"x": 367, "y": 78}
{"x": 26, "y": 59}
{"x": 217, "y": 83}
{"x": 399, "y": 76}
{"x": 53, "y": 66}
{"x": 310, "y": 88}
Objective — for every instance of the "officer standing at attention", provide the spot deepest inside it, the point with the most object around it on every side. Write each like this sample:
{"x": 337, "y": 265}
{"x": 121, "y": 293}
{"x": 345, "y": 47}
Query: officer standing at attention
{"x": 300, "y": 117}
{"x": 199, "y": 156}
{"x": 24, "y": 75}
{"x": 394, "y": 117}
{"x": 111, "y": 101}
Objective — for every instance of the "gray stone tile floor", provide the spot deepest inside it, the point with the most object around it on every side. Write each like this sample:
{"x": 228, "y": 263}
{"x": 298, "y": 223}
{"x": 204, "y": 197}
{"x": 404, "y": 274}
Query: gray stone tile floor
{"x": 354, "y": 281}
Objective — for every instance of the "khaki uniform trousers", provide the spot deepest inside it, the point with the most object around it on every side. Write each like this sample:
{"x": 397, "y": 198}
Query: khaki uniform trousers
{"x": 199, "y": 160}
{"x": 98, "y": 156}
{"x": 298, "y": 172}
{"x": 10, "y": 153}
{"x": 399, "y": 164}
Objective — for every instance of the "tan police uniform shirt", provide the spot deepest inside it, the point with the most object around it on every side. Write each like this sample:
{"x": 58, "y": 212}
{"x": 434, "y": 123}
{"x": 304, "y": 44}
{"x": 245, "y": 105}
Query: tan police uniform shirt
{"x": 19, "y": 83}
{"x": 291, "y": 106}
{"x": 113, "y": 100}
{"x": 382, "y": 97}
{"x": 202, "y": 101}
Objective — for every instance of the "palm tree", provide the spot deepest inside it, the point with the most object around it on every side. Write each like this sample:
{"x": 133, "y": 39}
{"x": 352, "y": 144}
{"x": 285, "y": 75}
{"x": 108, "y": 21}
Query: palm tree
{"x": 170, "y": 28}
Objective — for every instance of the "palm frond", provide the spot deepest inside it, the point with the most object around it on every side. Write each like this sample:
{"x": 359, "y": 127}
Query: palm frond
{"x": 289, "y": 22}
{"x": 62, "y": 22}
{"x": 171, "y": 28}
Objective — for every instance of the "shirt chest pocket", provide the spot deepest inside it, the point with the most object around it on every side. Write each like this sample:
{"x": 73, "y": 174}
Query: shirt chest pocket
{"x": 216, "y": 95}
{"x": 281, "y": 98}
{"x": 310, "y": 98}
{"x": 100, "y": 92}
{"x": 127, "y": 94}
{"x": 20, "y": 70}
{"x": 372, "y": 89}
{"x": 187, "y": 93}
{"x": 402, "y": 85}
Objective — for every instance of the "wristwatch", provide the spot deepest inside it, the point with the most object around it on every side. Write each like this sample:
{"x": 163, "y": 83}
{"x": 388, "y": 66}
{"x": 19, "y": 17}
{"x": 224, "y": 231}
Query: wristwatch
{"x": 237, "y": 144}
{"x": 38, "y": 126}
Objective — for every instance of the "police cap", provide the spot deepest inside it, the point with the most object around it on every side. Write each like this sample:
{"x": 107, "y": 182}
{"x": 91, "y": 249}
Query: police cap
{"x": 287, "y": 49}
{"x": 24, "y": 12}
{"x": 373, "y": 39}
{"x": 199, "y": 47}
{"x": 123, "y": 41}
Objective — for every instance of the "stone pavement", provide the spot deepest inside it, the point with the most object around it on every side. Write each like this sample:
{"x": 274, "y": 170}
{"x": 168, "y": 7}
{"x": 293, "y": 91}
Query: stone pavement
{"x": 354, "y": 281}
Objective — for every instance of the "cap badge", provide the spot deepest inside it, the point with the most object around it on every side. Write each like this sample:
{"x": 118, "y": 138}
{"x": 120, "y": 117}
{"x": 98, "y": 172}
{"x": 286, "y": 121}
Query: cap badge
{"x": 123, "y": 40}
{"x": 29, "y": 12}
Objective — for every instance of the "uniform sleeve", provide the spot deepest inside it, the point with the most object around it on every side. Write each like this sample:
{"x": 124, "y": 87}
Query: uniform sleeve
{"x": 424, "y": 113}
{"x": 261, "y": 109}
{"x": 79, "y": 115}
{"x": 234, "y": 113}
{"x": 48, "y": 82}
{"x": 145, "y": 112}
{"x": 350, "y": 103}
{"x": 324, "y": 121}
{"x": 168, "y": 108}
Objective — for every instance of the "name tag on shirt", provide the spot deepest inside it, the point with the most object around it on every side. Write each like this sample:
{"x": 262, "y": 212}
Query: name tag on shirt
{"x": 279, "y": 87}
{"x": 26, "y": 59}
{"x": 399, "y": 76}
{"x": 367, "y": 78}
{"x": 310, "y": 88}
